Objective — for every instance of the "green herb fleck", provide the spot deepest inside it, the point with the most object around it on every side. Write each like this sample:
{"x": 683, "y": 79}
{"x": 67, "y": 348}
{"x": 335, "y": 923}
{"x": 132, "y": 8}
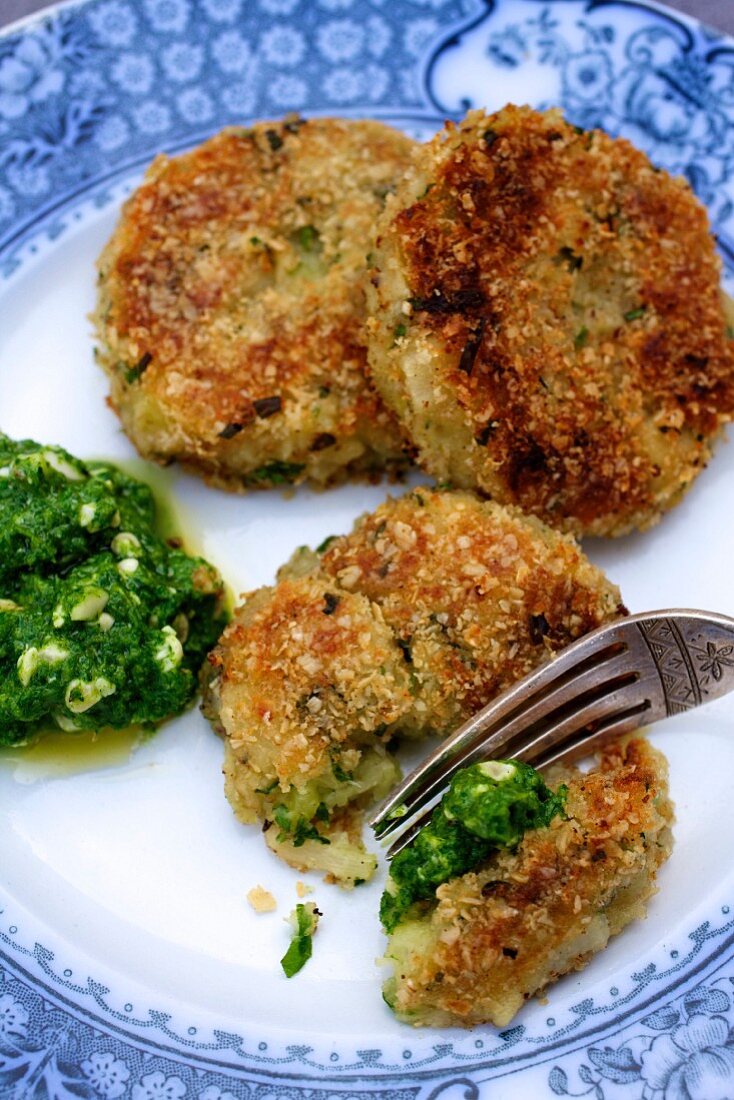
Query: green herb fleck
{"x": 297, "y": 830}
{"x": 582, "y": 337}
{"x": 324, "y": 546}
{"x": 304, "y": 919}
{"x": 568, "y": 257}
{"x": 136, "y": 372}
{"x": 308, "y": 238}
{"x": 340, "y": 774}
{"x": 267, "y": 790}
{"x": 635, "y": 314}
{"x": 278, "y": 473}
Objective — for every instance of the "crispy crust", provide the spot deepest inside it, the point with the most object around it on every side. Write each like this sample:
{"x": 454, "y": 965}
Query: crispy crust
{"x": 548, "y": 321}
{"x": 499, "y": 935}
{"x": 430, "y": 607}
{"x": 231, "y": 304}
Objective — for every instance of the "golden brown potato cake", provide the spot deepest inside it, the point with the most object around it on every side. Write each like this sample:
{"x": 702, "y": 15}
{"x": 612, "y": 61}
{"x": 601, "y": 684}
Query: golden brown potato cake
{"x": 231, "y": 304}
{"x": 498, "y": 935}
{"x": 548, "y": 322}
{"x": 431, "y": 606}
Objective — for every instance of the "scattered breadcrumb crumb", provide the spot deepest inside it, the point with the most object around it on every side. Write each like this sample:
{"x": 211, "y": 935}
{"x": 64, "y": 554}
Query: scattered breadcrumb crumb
{"x": 303, "y": 888}
{"x": 261, "y": 900}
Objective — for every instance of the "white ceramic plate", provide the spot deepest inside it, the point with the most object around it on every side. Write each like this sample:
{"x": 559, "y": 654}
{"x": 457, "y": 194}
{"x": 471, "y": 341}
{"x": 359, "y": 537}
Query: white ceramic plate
{"x": 131, "y": 964}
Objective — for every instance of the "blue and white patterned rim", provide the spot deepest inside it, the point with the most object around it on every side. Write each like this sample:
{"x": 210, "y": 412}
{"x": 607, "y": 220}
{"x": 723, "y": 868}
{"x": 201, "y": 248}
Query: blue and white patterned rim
{"x": 88, "y": 94}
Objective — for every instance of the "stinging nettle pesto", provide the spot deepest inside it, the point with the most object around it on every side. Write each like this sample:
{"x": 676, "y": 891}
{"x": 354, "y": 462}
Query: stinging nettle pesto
{"x": 103, "y": 623}
{"x": 487, "y": 806}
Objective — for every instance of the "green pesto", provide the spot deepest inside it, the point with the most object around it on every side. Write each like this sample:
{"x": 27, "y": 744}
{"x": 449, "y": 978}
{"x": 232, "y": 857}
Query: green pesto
{"x": 487, "y": 806}
{"x": 305, "y": 919}
{"x": 102, "y": 622}
{"x": 277, "y": 472}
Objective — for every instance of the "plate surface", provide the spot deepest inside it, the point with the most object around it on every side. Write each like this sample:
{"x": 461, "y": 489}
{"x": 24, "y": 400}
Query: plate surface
{"x": 130, "y": 962}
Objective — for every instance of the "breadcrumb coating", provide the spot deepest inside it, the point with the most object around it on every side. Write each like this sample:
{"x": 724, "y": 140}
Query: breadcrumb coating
{"x": 231, "y": 304}
{"x": 433, "y": 604}
{"x": 548, "y": 323}
{"x": 500, "y": 934}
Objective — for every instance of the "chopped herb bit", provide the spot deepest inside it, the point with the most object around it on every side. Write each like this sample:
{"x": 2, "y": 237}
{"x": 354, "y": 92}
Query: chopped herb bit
{"x": 324, "y": 391}
{"x": 274, "y": 140}
{"x": 305, "y": 831}
{"x": 539, "y": 628}
{"x": 308, "y": 238}
{"x": 730, "y": 332}
{"x": 323, "y": 440}
{"x": 471, "y": 348}
{"x": 267, "y": 790}
{"x": 331, "y": 602}
{"x": 255, "y": 241}
{"x": 304, "y": 919}
{"x": 489, "y": 137}
{"x": 400, "y": 331}
{"x": 426, "y": 190}
{"x": 579, "y": 130}
{"x": 298, "y": 831}
{"x": 459, "y": 302}
{"x": 293, "y": 125}
{"x": 322, "y": 812}
{"x": 568, "y": 257}
{"x": 635, "y": 314}
{"x": 230, "y": 431}
{"x": 581, "y": 338}
{"x": 483, "y": 437}
{"x": 134, "y": 373}
{"x": 279, "y": 473}
{"x": 404, "y": 645}
{"x": 339, "y": 773}
{"x": 267, "y": 406}
{"x": 324, "y": 546}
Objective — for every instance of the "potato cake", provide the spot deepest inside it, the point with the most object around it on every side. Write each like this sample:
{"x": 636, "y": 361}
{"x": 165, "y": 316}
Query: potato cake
{"x": 433, "y": 604}
{"x": 501, "y": 933}
{"x": 231, "y": 304}
{"x": 548, "y": 322}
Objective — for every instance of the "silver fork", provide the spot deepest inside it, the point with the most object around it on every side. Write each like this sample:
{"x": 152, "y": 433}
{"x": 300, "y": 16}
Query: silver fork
{"x": 618, "y": 677}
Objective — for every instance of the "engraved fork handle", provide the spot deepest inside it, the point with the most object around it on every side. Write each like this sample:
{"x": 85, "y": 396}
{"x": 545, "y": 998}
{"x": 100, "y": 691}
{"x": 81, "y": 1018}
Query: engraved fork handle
{"x": 693, "y": 653}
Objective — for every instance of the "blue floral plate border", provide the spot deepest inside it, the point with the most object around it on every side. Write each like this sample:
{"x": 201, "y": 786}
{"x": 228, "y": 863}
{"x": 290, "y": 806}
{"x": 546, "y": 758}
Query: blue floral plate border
{"x": 88, "y": 93}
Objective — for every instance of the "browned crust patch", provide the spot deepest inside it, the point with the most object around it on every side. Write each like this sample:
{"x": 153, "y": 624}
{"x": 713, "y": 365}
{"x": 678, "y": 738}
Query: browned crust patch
{"x": 567, "y": 296}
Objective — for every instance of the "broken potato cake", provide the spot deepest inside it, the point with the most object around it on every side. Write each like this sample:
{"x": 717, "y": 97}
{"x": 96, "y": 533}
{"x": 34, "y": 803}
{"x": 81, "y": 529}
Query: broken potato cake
{"x": 433, "y": 604}
{"x": 547, "y": 321}
{"x": 482, "y": 930}
{"x": 232, "y": 300}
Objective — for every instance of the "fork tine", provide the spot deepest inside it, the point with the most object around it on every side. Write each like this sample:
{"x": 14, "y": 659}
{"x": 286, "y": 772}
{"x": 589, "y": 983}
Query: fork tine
{"x": 583, "y": 745}
{"x": 487, "y": 732}
{"x": 616, "y": 702}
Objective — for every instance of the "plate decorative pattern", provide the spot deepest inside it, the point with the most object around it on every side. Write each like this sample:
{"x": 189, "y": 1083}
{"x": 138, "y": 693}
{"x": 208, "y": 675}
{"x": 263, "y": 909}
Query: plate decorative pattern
{"x": 88, "y": 94}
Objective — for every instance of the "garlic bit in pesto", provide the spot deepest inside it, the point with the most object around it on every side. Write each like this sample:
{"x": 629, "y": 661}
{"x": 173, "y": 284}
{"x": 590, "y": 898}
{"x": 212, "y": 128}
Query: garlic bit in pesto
{"x": 102, "y": 622}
